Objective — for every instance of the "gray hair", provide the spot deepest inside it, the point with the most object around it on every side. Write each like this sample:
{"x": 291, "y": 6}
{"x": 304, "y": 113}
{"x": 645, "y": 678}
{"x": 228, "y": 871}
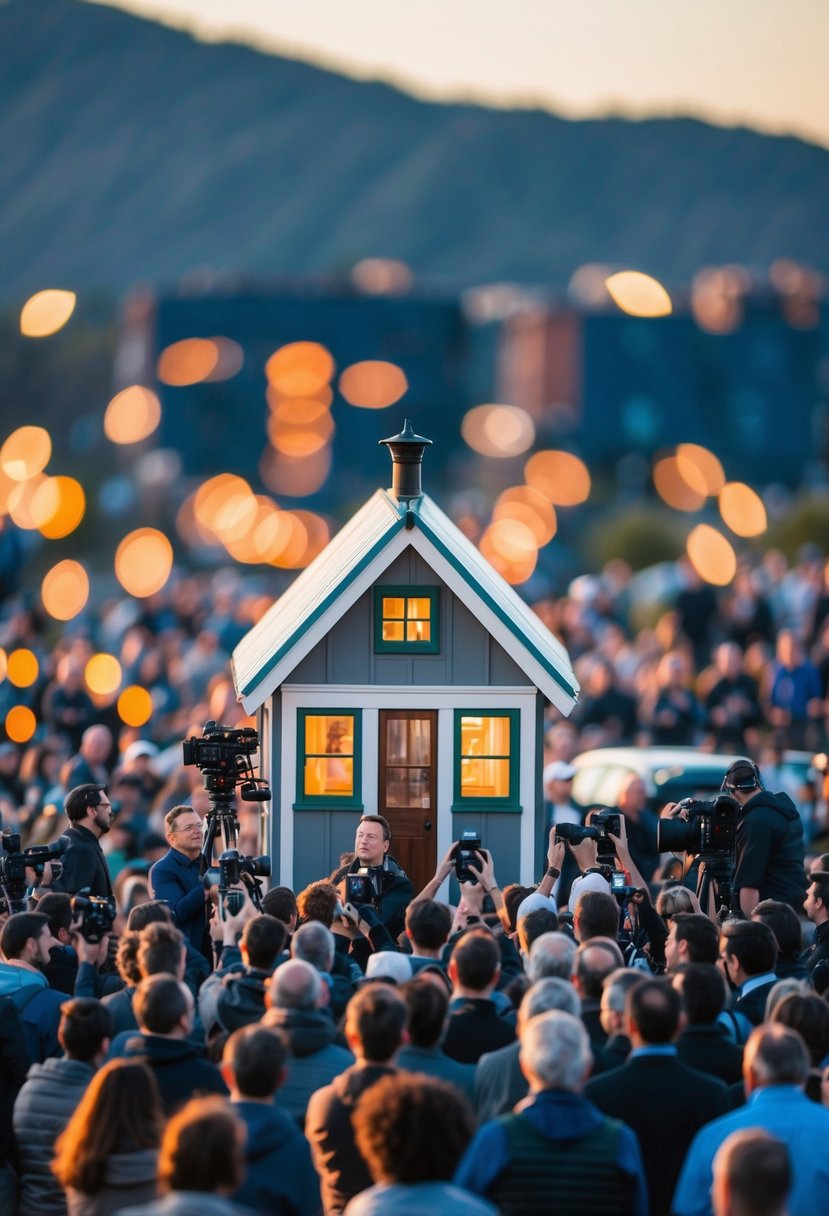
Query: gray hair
{"x": 617, "y": 985}
{"x": 314, "y": 944}
{"x": 296, "y": 985}
{"x": 783, "y": 988}
{"x": 551, "y": 957}
{"x": 548, "y": 994}
{"x": 555, "y": 1050}
{"x": 777, "y": 1056}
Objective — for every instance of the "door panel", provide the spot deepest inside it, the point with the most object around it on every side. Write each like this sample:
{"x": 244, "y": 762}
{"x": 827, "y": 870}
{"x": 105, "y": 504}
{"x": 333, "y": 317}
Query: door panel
{"x": 406, "y": 789}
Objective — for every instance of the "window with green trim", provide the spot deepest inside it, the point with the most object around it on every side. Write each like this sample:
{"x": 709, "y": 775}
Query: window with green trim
{"x": 328, "y": 757}
{"x": 487, "y": 747}
{"x": 406, "y": 620}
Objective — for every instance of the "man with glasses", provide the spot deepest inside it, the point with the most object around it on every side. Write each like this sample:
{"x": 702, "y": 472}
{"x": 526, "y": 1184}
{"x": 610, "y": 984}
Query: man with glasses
{"x": 176, "y": 878}
{"x": 90, "y": 816}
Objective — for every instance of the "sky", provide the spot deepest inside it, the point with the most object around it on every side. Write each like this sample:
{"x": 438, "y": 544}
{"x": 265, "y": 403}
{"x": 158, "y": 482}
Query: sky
{"x": 760, "y": 63}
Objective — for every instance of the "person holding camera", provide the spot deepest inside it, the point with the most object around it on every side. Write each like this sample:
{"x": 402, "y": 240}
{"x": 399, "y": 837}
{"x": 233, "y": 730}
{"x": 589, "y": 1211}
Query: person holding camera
{"x": 385, "y": 886}
{"x": 90, "y": 814}
{"x": 177, "y": 879}
{"x": 769, "y": 842}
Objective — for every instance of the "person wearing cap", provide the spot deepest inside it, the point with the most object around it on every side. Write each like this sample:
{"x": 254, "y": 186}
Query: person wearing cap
{"x": 559, "y": 807}
{"x": 769, "y": 842}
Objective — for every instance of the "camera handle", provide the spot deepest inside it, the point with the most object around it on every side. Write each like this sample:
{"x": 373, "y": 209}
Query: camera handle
{"x": 221, "y": 818}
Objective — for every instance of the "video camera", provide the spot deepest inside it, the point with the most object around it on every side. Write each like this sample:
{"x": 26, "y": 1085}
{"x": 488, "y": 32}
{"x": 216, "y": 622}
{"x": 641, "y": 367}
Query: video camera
{"x": 710, "y": 829}
{"x": 365, "y": 887}
{"x": 15, "y": 861}
{"x": 223, "y": 755}
{"x": 603, "y": 824}
{"x": 228, "y": 874}
{"x": 467, "y": 865}
{"x": 95, "y": 915}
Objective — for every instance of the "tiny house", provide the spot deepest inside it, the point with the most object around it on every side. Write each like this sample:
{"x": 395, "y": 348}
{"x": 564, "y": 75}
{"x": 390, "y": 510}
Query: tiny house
{"x": 401, "y": 675}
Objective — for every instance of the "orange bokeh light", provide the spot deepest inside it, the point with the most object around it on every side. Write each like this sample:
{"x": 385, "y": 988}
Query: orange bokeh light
{"x": 143, "y": 562}
{"x": 187, "y": 362}
{"x": 22, "y": 668}
{"x": 711, "y": 555}
{"x": 135, "y": 706}
{"x": 26, "y": 452}
{"x": 20, "y": 724}
{"x": 300, "y": 369}
{"x": 102, "y": 674}
{"x": 529, "y": 507}
{"x": 561, "y": 477}
{"x": 637, "y": 294}
{"x": 373, "y": 384}
{"x": 680, "y": 485}
{"x": 742, "y": 509}
{"x": 500, "y": 431}
{"x": 695, "y": 462}
{"x": 58, "y": 506}
{"x": 46, "y": 312}
{"x": 65, "y": 590}
{"x": 293, "y": 477}
{"x": 132, "y": 415}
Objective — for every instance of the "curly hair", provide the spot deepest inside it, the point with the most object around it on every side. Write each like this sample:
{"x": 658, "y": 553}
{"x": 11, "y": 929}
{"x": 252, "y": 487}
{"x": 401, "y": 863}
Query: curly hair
{"x": 318, "y": 901}
{"x": 412, "y": 1128}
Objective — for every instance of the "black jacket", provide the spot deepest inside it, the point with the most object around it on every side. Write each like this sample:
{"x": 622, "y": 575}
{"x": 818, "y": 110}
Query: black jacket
{"x": 770, "y": 849}
{"x": 708, "y": 1048}
{"x": 395, "y": 897}
{"x": 816, "y": 958}
{"x": 179, "y": 1069}
{"x": 84, "y": 864}
{"x": 475, "y": 1027}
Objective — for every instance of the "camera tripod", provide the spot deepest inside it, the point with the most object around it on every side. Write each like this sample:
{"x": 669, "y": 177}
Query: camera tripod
{"x": 222, "y": 820}
{"x": 715, "y": 877}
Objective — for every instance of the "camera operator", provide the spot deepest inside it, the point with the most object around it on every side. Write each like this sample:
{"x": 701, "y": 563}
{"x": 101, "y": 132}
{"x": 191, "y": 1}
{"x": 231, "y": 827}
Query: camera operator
{"x": 177, "y": 880}
{"x": 84, "y": 865}
{"x": 769, "y": 842}
{"x": 393, "y": 888}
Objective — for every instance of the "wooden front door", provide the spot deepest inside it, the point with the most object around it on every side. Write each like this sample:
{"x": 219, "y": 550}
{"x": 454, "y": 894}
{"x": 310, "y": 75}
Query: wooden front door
{"x": 407, "y": 784}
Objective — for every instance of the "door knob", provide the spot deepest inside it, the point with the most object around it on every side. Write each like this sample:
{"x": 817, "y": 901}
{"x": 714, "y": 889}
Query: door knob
{"x": 427, "y": 823}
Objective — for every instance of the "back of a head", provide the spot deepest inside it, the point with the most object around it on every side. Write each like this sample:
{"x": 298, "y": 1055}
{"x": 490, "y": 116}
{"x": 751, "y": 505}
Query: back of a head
{"x": 702, "y": 989}
{"x": 597, "y": 915}
{"x": 476, "y": 960}
{"x": 426, "y": 1009}
{"x": 654, "y": 1009}
{"x": 513, "y": 896}
{"x": 264, "y": 940}
{"x": 126, "y": 959}
{"x": 700, "y": 935}
{"x": 551, "y": 957}
{"x": 555, "y": 1051}
{"x": 752, "y": 1175}
{"x": 281, "y": 903}
{"x": 314, "y": 944}
{"x": 85, "y": 1024}
{"x": 784, "y": 924}
{"x": 375, "y": 1021}
{"x": 534, "y": 925}
{"x": 159, "y": 1004}
{"x": 18, "y": 929}
{"x": 57, "y": 906}
{"x": 617, "y": 985}
{"x": 808, "y": 1014}
{"x": 202, "y": 1149}
{"x": 753, "y": 945}
{"x": 296, "y": 985}
{"x": 776, "y": 1055}
{"x": 256, "y": 1058}
{"x": 594, "y": 961}
{"x": 672, "y": 900}
{"x": 150, "y": 913}
{"x": 412, "y": 1128}
{"x": 428, "y": 923}
{"x": 318, "y": 901}
{"x": 160, "y": 950}
{"x": 546, "y": 995}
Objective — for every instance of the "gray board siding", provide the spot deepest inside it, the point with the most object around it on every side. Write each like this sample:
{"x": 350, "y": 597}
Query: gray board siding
{"x": 469, "y": 656}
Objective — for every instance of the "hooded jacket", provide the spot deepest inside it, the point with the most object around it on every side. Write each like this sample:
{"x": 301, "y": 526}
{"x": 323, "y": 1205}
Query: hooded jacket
{"x": 130, "y": 1178}
{"x": 180, "y": 1070}
{"x": 39, "y": 1007}
{"x": 396, "y": 895}
{"x": 43, "y": 1108}
{"x": 279, "y": 1176}
{"x": 315, "y": 1059}
{"x": 770, "y": 849}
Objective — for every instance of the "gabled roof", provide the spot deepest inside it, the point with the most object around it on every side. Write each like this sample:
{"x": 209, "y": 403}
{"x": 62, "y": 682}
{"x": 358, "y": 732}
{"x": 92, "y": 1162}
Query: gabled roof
{"x": 355, "y": 558}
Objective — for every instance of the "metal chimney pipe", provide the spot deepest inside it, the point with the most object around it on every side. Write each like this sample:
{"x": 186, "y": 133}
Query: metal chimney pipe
{"x": 407, "y": 450}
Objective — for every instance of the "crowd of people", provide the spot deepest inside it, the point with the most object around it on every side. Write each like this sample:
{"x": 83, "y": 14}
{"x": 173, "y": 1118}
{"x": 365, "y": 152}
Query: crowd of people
{"x": 556, "y": 1048}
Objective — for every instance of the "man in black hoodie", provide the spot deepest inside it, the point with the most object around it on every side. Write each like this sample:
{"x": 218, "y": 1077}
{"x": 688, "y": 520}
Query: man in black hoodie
{"x": 371, "y": 846}
{"x": 770, "y": 848}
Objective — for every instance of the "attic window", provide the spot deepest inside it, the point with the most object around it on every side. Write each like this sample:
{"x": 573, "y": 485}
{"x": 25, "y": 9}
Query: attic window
{"x": 406, "y": 620}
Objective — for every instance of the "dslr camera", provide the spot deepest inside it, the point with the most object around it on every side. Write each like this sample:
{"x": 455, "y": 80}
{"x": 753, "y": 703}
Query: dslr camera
{"x": 710, "y": 828}
{"x": 365, "y": 887}
{"x": 467, "y": 865}
{"x": 228, "y": 873}
{"x": 603, "y": 823}
{"x": 15, "y": 861}
{"x": 94, "y": 915}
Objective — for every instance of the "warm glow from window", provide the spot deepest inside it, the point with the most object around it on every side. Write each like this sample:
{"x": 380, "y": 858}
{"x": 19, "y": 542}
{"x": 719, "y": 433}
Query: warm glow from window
{"x": 407, "y": 619}
{"x": 485, "y": 757}
{"x": 329, "y": 756}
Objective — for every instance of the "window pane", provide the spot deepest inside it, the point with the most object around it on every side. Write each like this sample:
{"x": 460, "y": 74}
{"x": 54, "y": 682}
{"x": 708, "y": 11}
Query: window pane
{"x": 393, "y": 607}
{"x": 418, "y": 631}
{"x": 419, "y": 607}
{"x": 392, "y": 631}
{"x": 407, "y": 787}
{"x": 329, "y": 751}
{"x": 484, "y": 778}
{"x": 485, "y": 736}
{"x": 329, "y": 777}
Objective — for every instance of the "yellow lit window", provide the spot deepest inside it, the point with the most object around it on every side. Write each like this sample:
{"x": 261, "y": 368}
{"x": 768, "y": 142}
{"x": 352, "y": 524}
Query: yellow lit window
{"x": 328, "y": 750}
{"x": 406, "y": 619}
{"x": 486, "y": 757}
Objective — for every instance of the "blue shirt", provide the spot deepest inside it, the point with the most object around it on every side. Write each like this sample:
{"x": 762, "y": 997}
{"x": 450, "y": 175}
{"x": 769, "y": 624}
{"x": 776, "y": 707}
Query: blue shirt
{"x": 177, "y": 880}
{"x": 785, "y": 1112}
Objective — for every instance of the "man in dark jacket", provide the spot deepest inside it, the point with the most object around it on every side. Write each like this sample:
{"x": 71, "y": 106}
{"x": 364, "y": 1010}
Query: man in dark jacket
{"x": 279, "y": 1176}
{"x": 475, "y": 1025}
{"x": 557, "y": 1149}
{"x": 164, "y": 1012}
{"x": 25, "y": 943}
{"x": 298, "y": 1000}
{"x": 704, "y": 1043}
{"x": 375, "y": 1029}
{"x": 89, "y": 811}
{"x": 661, "y": 1099}
{"x": 816, "y": 908}
{"x": 769, "y": 841}
{"x": 371, "y": 846}
{"x": 749, "y": 954}
{"x": 49, "y": 1098}
{"x": 235, "y": 996}
{"x": 177, "y": 877}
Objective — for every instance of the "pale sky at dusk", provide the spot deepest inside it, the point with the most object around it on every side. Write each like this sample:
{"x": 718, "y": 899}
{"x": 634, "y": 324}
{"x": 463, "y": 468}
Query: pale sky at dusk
{"x": 758, "y": 62}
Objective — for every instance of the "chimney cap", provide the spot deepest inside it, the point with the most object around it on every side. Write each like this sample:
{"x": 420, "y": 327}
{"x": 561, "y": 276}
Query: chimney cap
{"x": 407, "y": 439}
{"x": 406, "y": 450}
